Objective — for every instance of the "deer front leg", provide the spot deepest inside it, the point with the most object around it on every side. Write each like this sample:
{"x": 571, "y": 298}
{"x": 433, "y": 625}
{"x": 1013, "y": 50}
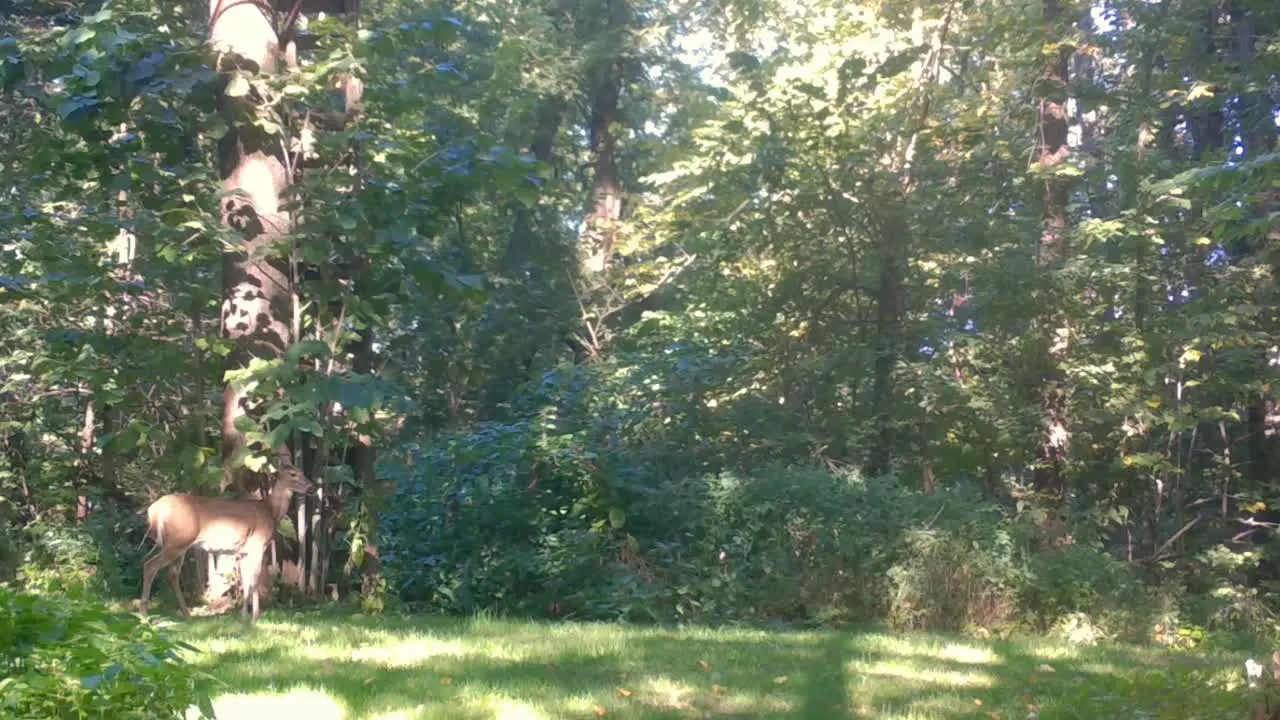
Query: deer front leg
{"x": 250, "y": 575}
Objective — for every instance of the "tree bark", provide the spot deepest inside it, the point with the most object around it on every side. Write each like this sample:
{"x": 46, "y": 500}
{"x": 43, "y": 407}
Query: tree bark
{"x": 521, "y": 247}
{"x": 1052, "y": 150}
{"x": 606, "y": 186}
{"x": 890, "y": 308}
{"x": 1206, "y": 120}
{"x": 1051, "y": 140}
{"x": 256, "y": 305}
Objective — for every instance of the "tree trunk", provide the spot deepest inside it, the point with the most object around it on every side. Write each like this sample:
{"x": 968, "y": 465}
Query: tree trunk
{"x": 1051, "y": 141}
{"x": 521, "y": 247}
{"x": 256, "y": 303}
{"x": 1205, "y": 119}
{"x": 1051, "y": 151}
{"x": 363, "y": 459}
{"x": 894, "y": 228}
{"x": 256, "y": 306}
{"x": 606, "y": 187}
{"x": 890, "y": 306}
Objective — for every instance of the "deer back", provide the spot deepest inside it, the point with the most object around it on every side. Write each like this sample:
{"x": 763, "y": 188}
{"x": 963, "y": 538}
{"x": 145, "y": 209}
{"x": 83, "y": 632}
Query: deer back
{"x": 215, "y": 524}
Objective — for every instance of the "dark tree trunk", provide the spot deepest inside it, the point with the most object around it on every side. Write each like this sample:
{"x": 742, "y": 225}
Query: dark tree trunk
{"x": 1051, "y": 141}
{"x": 1052, "y": 250}
{"x": 1205, "y": 118}
{"x": 606, "y": 187}
{"x": 522, "y": 246}
{"x": 890, "y": 306}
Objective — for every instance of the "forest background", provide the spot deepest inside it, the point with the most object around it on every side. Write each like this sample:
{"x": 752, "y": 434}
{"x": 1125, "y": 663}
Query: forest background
{"x": 954, "y": 314}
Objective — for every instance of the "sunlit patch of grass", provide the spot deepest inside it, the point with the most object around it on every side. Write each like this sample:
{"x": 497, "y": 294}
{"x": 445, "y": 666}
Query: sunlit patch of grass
{"x": 299, "y": 702}
{"x": 429, "y": 668}
{"x": 923, "y": 675}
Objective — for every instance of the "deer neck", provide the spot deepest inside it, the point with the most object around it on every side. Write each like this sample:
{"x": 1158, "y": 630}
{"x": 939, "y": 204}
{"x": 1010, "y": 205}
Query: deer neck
{"x": 278, "y": 501}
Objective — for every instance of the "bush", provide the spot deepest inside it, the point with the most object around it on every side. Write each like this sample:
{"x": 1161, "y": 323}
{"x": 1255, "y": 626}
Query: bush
{"x": 67, "y": 658}
{"x": 797, "y": 544}
{"x": 96, "y": 558}
{"x": 504, "y": 519}
{"x": 1234, "y": 596}
{"x": 62, "y": 558}
{"x": 1082, "y": 592}
{"x": 952, "y": 579}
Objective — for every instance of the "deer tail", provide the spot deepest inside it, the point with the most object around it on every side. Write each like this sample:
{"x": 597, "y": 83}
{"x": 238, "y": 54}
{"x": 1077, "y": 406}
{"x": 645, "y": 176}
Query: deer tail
{"x": 155, "y": 527}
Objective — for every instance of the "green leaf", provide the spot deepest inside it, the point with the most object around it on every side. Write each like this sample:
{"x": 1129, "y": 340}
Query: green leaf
{"x": 76, "y": 105}
{"x": 306, "y": 348}
{"x": 81, "y": 34}
{"x": 237, "y": 85}
{"x": 307, "y": 424}
{"x": 286, "y": 529}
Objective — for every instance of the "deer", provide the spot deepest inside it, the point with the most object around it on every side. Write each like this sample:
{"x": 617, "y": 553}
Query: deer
{"x": 1266, "y": 679}
{"x": 243, "y": 528}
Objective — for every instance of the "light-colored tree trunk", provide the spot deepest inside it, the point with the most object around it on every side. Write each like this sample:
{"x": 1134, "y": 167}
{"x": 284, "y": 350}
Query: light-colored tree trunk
{"x": 256, "y": 305}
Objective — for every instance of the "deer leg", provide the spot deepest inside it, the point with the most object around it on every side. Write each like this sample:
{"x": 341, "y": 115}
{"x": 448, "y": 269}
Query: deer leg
{"x": 250, "y": 574}
{"x": 175, "y": 572}
{"x": 149, "y": 569}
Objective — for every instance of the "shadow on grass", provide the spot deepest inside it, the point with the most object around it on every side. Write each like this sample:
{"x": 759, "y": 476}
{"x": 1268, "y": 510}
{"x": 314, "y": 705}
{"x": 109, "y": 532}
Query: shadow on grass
{"x": 428, "y": 667}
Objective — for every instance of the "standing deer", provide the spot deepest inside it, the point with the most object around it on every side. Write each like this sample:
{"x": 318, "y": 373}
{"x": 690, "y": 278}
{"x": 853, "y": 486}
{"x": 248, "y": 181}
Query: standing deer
{"x": 218, "y": 525}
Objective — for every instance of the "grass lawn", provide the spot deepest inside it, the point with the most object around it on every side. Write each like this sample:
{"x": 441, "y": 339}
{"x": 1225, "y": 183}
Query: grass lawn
{"x": 326, "y": 667}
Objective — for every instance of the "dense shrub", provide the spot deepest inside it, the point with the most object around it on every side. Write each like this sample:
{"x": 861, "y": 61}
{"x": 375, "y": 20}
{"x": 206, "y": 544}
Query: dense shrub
{"x": 799, "y": 544}
{"x": 95, "y": 558}
{"x": 514, "y": 519}
{"x": 954, "y": 578}
{"x": 67, "y": 658}
{"x": 498, "y": 519}
{"x": 1073, "y": 578}
{"x": 60, "y": 557}
{"x": 1231, "y": 595}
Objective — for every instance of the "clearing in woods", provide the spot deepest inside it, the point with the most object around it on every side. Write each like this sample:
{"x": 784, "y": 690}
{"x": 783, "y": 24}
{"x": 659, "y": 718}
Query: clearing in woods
{"x": 327, "y": 667}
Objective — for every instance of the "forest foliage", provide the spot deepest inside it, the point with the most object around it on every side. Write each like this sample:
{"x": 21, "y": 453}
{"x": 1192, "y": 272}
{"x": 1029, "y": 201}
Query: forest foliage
{"x": 946, "y": 314}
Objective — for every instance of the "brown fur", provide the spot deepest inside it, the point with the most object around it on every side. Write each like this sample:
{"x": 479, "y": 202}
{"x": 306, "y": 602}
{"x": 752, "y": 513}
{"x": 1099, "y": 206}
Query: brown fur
{"x": 243, "y": 528}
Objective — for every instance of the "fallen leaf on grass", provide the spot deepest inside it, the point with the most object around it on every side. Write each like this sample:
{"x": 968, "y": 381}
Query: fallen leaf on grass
{"x": 704, "y": 664}
{"x": 601, "y": 712}
{"x": 624, "y": 692}
{"x": 781, "y": 680}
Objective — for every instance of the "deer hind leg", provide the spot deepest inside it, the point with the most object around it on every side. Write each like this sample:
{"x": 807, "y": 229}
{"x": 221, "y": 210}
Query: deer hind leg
{"x": 175, "y": 580}
{"x": 152, "y": 566}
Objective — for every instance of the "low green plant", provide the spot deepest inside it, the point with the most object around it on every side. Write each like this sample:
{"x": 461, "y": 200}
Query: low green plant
{"x": 62, "y": 657}
{"x": 502, "y": 520}
{"x": 1080, "y": 592}
{"x": 62, "y": 558}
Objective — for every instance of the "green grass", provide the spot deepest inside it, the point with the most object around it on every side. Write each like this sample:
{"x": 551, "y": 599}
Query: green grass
{"x": 326, "y": 667}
